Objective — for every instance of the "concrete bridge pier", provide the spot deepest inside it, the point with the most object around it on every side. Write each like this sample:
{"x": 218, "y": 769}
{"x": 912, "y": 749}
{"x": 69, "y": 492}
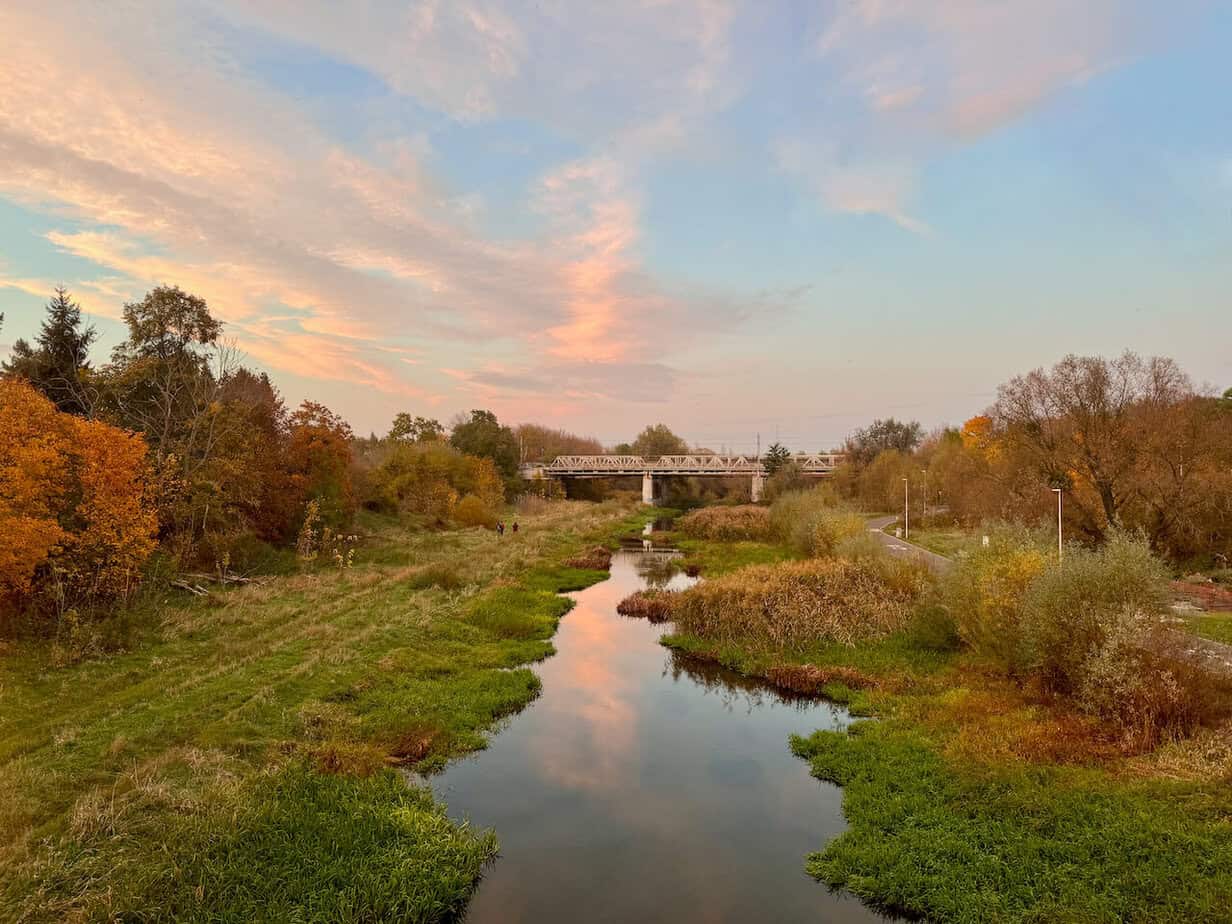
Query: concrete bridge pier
{"x": 759, "y": 483}
{"x": 648, "y": 488}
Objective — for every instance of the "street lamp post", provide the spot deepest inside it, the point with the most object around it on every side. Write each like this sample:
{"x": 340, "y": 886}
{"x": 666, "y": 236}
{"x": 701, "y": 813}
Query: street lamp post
{"x": 924, "y": 512}
{"x": 906, "y": 512}
{"x": 1060, "y": 546}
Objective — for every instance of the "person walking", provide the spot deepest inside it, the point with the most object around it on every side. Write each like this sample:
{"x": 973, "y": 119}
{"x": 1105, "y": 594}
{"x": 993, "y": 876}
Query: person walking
{"x": 515, "y": 527}
{"x": 500, "y": 529}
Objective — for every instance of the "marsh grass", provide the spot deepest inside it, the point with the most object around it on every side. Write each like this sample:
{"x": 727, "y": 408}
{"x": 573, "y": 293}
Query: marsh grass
{"x": 652, "y": 605}
{"x": 745, "y": 521}
{"x": 234, "y": 762}
{"x": 795, "y": 603}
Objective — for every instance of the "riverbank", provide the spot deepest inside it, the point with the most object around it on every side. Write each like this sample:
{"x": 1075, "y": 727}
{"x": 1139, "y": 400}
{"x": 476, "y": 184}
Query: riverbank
{"x": 238, "y": 759}
{"x": 971, "y": 798}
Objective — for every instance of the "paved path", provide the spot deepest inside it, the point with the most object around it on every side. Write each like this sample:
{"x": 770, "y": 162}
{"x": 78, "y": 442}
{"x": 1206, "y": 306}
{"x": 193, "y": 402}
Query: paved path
{"x": 939, "y": 564}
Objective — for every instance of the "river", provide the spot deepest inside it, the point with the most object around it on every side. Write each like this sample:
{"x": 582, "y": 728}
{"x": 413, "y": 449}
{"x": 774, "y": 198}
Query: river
{"x": 643, "y": 786}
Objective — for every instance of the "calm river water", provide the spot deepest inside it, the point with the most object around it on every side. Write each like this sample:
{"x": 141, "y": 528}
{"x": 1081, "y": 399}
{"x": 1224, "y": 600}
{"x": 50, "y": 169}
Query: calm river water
{"x": 641, "y": 786}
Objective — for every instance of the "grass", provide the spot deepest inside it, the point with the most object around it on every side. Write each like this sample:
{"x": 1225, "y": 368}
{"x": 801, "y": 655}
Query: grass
{"x": 236, "y": 761}
{"x": 1022, "y": 843}
{"x": 971, "y": 798}
{"x": 716, "y": 558}
{"x": 1215, "y": 626}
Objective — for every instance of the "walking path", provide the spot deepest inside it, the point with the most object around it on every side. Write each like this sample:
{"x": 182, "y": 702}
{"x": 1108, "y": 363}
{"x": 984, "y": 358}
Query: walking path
{"x": 904, "y": 549}
{"x": 1215, "y": 656}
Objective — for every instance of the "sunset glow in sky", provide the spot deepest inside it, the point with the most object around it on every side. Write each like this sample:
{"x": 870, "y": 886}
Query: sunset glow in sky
{"x": 734, "y": 217}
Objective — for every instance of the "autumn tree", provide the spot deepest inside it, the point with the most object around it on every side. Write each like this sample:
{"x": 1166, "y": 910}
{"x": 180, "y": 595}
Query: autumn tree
{"x": 415, "y": 429}
{"x": 58, "y": 364}
{"x": 74, "y": 504}
{"x": 318, "y": 462}
{"x": 543, "y": 444}
{"x": 483, "y": 435}
{"x": 658, "y": 440}
{"x": 863, "y": 446}
{"x": 1086, "y": 424}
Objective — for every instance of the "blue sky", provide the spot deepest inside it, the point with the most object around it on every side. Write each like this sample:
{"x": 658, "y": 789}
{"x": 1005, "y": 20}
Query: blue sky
{"x": 737, "y": 218}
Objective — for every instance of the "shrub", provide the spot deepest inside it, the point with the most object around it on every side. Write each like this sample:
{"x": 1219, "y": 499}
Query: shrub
{"x": 793, "y": 604}
{"x": 812, "y": 523}
{"x": 985, "y": 590}
{"x": 1070, "y": 608}
{"x": 932, "y": 628}
{"x": 439, "y": 575}
{"x": 1139, "y": 677}
{"x": 472, "y": 511}
{"x": 728, "y": 523}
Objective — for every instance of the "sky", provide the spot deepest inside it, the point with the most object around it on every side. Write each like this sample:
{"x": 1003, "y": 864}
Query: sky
{"x": 748, "y": 220}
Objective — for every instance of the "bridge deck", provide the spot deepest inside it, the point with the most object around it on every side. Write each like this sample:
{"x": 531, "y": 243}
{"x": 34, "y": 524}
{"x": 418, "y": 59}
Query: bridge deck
{"x": 701, "y": 464}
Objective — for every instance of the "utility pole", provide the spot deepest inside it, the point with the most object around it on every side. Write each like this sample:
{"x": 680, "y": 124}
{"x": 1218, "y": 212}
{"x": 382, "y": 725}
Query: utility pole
{"x": 906, "y": 512}
{"x": 1060, "y": 545}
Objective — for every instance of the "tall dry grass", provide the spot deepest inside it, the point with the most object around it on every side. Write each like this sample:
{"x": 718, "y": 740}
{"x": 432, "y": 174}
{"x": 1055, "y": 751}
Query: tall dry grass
{"x": 796, "y": 603}
{"x": 812, "y": 522}
{"x": 726, "y": 523}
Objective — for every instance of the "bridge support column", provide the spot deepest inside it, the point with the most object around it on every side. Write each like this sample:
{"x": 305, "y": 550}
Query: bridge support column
{"x": 648, "y": 488}
{"x": 759, "y": 482}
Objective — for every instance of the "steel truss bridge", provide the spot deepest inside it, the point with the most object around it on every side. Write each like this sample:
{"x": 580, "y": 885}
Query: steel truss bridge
{"x": 701, "y": 464}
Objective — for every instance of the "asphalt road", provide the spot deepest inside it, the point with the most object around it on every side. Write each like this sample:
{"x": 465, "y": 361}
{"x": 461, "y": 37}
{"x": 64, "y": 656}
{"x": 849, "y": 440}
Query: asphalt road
{"x": 903, "y": 549}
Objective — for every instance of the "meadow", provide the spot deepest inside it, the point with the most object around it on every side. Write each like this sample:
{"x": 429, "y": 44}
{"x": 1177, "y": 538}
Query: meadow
{"x": 239, "y": 756}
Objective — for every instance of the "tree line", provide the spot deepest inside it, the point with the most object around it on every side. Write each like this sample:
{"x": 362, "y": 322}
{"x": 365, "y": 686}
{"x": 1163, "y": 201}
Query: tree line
{"x": 1130, "y": 443}
{"x": 172, "y": 453}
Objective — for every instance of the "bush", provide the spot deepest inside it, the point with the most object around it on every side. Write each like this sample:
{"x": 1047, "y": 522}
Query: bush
{"x": 728, "y": 523}
{"x": 472, "y": 511}
{"x": 985, "y": 591}
{"x": 1139, "y": 677}
{"x": 794, "y": 604}
{"x": 932, "y": 628}
{"x": 438, "y": 575}
{"x": 812, "y": 523}
{"x": 1069, "y": 609}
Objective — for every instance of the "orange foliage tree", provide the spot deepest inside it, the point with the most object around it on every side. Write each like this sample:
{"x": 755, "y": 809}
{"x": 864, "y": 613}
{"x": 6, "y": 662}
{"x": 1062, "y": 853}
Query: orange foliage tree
{"x": 74, "y": 503}
{"x": 319, "y": 462}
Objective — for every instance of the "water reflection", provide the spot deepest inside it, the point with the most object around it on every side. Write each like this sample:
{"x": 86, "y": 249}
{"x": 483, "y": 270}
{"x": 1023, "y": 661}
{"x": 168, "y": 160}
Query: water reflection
{"x": 645, "y": 786}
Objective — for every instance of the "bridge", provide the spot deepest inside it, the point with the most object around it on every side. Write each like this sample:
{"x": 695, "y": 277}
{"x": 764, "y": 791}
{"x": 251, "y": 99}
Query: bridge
{"x": 701, "y": 464}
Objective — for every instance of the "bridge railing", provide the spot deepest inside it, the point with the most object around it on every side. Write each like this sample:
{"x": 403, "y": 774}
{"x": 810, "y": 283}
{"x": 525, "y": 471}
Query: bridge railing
{"x": 700, "y": 463}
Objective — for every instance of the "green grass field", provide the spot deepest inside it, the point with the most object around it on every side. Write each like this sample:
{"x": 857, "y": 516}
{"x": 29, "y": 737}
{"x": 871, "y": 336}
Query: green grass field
{"x": 237, "y": 760}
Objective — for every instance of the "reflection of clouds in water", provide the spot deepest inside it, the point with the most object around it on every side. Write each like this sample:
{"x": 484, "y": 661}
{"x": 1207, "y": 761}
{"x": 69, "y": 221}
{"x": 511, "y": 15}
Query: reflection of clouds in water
{"x": 588, "y": 686}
